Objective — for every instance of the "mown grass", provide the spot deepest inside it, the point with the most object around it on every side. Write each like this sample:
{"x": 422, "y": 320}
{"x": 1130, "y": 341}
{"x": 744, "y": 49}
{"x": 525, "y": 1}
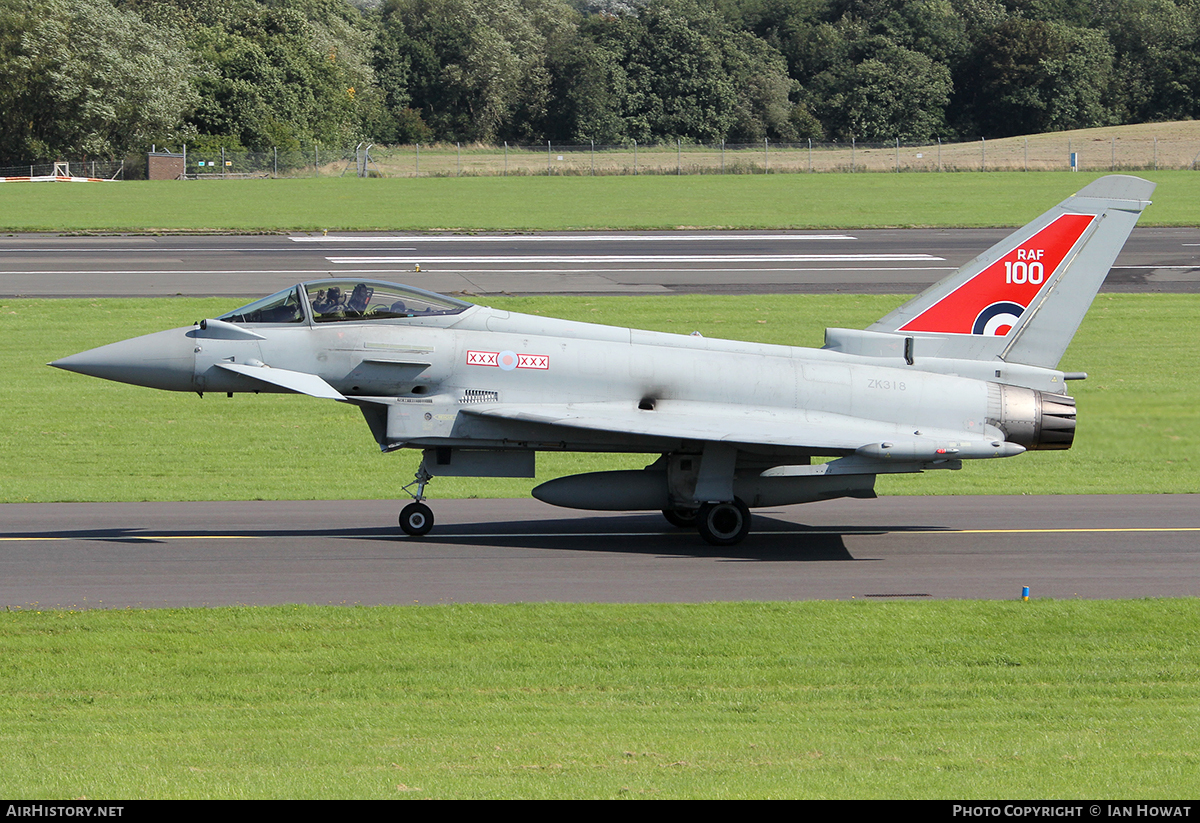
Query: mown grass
{"x": 561, "y": 203}
{"x": 67, "y": 437}
{"x": 821, "y": 700}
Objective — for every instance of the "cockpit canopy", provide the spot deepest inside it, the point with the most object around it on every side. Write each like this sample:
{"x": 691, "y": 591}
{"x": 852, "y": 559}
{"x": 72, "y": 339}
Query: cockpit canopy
{"x": 345, "y": 300}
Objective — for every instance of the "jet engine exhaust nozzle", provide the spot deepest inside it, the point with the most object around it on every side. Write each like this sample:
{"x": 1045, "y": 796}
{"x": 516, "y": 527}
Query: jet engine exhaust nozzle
{"x": 1033, "y": 419}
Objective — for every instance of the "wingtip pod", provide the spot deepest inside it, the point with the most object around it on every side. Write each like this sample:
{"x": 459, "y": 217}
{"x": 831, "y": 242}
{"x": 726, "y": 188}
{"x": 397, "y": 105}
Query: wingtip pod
{"x": 1022, "y": 300}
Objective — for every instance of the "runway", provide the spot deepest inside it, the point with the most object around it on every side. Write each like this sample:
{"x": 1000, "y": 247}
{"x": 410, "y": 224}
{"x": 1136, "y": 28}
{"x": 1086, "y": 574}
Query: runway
{"x": 892, "y": 261}
{"x": 87, "y": 555}
{"x": 197, "y": 554}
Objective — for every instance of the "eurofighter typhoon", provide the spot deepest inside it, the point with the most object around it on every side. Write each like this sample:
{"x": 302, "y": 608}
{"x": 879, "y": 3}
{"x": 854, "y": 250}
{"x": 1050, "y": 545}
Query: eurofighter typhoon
{"x": 965, "y": 371}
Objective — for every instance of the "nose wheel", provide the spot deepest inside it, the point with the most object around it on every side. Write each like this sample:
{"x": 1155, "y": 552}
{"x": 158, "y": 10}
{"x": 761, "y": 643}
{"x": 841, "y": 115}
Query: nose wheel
{"x": 416, "y": 519}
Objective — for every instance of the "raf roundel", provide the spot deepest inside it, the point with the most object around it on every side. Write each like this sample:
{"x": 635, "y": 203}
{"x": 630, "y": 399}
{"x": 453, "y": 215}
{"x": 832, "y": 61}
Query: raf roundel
{"x": 507, "y": 360}
{"x": 997, "y": 319}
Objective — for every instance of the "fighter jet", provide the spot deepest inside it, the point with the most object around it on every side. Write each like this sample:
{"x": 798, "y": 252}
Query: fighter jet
{"x": 965, "y": 371}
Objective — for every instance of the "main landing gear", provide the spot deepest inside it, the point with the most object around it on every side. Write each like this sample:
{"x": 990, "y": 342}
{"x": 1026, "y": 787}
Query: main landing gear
{"x": 416, "y": 519}
{"x": 682, "y": 518}
{"x": 721, "y": 524}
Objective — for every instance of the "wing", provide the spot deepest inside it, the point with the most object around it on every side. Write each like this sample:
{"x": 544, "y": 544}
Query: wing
{"x": 820, "y": 432}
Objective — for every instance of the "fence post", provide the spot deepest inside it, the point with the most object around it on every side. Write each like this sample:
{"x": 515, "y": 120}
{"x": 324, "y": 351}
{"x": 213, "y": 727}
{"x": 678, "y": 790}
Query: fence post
{"x": 983, "y": 154}
{"x": 939, "y": 153}
{"x": 593, "y": 158}
{"x": 897, "y": 154}
{"x": 547, "y": 158}
{"x": 635, "y": 168}
{"x": 418, "y": 173}
{"x": 275, "y": 149}
{"x": 853, "y": 161}
{"x": 458, "y": 159}
{"x": 1113, "y": 162}
{"x": 222, "y": 162}
{"x": 506, "y": 158}
{"x": 1026, "y": 154}
{"x": 678, "y": 157}
{"x": 722, "y": 155}
{"x": 766, "y": 158}
{"x": 1156, "y": 153}
{"x": 810, "y": 155}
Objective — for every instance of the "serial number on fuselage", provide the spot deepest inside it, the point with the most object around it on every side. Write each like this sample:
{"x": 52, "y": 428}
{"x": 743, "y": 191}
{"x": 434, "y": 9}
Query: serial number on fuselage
{"x": 886, "y": 385}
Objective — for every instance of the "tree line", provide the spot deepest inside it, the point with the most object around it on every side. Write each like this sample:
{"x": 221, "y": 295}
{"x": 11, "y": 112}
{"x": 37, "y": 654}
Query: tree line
{"x": 101, "y": 78}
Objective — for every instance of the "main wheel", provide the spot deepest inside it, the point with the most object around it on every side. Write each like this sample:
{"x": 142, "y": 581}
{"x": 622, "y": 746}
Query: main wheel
{"x": 416, "y": 519}
{"x": 683, "y": 518}
{"x": 723, "y": 524}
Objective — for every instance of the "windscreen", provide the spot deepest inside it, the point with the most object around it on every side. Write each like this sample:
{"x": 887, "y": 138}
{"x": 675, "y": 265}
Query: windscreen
{"x": 281, "y": 307}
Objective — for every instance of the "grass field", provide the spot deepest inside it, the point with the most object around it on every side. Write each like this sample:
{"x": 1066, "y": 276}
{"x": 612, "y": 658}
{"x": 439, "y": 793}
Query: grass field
{"x": 67, "y": 437}
{"x": 835, "y": 700}
{"x": 958, "y": 700}
{"x": 561, "y": 203}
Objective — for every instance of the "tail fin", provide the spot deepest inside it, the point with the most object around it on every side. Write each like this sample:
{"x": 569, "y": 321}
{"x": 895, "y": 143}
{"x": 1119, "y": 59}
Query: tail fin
{"x": 1022, "y": 300}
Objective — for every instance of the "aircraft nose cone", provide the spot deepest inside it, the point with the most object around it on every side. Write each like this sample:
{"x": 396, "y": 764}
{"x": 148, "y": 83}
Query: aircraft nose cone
{"x": 164, "y": 360}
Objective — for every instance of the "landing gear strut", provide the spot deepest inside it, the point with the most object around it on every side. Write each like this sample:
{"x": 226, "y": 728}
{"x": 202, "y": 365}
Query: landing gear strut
{"x": 723, "y": 524}
{"x": 416, "y": 519}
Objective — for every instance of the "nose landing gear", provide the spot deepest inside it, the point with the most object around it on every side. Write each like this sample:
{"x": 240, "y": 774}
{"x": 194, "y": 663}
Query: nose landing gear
{"x": 416, "y": 519}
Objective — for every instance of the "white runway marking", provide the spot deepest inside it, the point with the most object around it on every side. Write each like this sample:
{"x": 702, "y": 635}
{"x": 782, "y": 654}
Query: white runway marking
{"x": 589, "y": 238}
{"x": 341, "y": 272}
{"x": 657, "y": 258}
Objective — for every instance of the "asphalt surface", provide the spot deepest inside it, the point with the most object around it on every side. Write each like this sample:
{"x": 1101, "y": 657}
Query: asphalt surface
{"x": 192, "y": 554}
{"x": 87, "y": 555}
{"x": 870, "y": 261}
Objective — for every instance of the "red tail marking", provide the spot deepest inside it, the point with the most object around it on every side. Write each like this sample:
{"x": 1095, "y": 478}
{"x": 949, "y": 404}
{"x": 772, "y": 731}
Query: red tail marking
{"x": 1016, "y": 277}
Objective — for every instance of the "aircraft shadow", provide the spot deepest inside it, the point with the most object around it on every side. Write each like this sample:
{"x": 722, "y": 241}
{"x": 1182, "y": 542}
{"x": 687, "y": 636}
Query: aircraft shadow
{"x": 772, "y": 539}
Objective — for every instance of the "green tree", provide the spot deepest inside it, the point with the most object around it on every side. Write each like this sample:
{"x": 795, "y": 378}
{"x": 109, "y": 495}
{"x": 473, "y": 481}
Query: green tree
{"x": 82, "y": 78}
{"x": 591, "y": 91}
{"x": 1033, "y": 76}
{"x": 893, "y": 93}
{"x": 1157, "y": 69}
{"x": 281, "y": 75}
{"x": 762, "y": 105}
{"x": 474, "y": 69}
{"x": 681, "y": 71}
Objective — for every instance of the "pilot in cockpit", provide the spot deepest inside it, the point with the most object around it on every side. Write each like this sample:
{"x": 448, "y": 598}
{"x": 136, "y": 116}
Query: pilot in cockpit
{"x": 329, "y": 301}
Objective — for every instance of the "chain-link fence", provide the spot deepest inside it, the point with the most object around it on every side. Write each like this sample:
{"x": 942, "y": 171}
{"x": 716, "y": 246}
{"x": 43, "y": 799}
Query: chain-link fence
{"x": 1039, "y": 153}
{"x": 95, "y": 169}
